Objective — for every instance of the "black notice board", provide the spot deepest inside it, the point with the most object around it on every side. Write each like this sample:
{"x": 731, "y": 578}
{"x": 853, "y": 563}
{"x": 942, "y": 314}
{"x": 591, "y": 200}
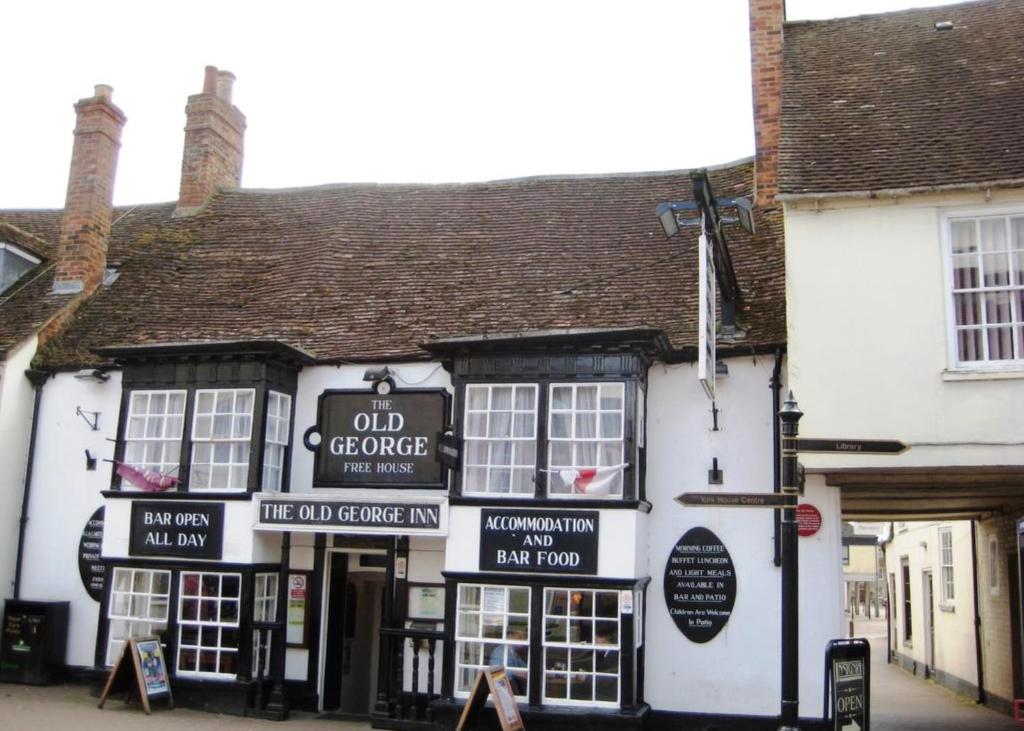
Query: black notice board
{"x": 140, "y": 668}
{"x": 700, "y": 585}
{"x": 848, "y": 684}
{"x": 91, "y": 568}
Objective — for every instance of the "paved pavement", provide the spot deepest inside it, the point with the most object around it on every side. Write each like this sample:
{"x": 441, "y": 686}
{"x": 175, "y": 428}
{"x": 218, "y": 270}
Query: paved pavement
{"x": 900, "y": 702}
{"x": 64, "y": 707}
{"x": 903, "y": 702}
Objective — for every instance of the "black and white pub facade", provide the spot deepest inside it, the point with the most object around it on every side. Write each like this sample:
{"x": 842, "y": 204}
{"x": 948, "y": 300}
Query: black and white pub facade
{"x": 347, "y": 532}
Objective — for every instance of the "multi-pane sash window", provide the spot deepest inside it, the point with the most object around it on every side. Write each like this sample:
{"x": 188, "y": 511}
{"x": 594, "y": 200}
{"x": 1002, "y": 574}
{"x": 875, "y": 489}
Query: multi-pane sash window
{"x": 138, "y": 606}
{"x": 221, "y": 439}
{"x": 581, "y": 647}
{"x": 153, "y": 434}
{"x": 208, "y": 623}
{"x": 279, "y": 409}
{"x": 493, "y": 628}
{"x": 988, "y": 289}
{"x": 585, "y": 439}
{"x": 500, "y": 439}
{"x": 264, "y": 610}
{"x": 946, "y": 562}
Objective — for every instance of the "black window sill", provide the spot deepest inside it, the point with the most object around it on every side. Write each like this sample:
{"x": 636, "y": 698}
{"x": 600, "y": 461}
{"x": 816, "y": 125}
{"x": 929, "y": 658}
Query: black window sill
{"x": 143, "y": 495}
{"x": 549, "y": 503}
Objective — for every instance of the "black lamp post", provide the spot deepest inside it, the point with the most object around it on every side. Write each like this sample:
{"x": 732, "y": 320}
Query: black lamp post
{"x": 790, "y": 415}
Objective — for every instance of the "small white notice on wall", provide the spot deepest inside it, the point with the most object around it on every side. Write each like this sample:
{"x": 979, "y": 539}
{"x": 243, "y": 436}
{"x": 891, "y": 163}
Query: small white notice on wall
{"x": 626, "y": 601}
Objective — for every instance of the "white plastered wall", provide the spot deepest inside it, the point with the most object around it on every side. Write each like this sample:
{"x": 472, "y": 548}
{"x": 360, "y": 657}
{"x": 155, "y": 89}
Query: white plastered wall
{"x": 868, "y": 341}
{"x": 743, "y": 660}
{"x": 16, "y": 403}
{"x": 64, "y": 495}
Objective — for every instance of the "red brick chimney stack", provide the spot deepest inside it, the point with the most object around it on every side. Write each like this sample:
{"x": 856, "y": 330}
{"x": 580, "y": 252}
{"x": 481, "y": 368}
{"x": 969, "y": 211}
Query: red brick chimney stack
{"x": 85, "y": 225}
{"x": 214, "y": 135}
{"x": 766, "y": 19}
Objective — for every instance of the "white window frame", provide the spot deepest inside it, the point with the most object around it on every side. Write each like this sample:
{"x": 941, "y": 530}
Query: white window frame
{"x": 575, "y": 441}
{"x": 947, "y": 576}
{"x": 264, "y": 609}
{"x": 20, "y": 253}
{"x": 140, "y": 619}
{"x": 236, "y": 436}
{"x": 201, "y": 623}
{"x": 469, "y": 633}
{"x": 528, "y": 469}
{"x": 981, "y": 365}
{"x": 276, "y": 441}
{"x": 993, "y": 566}
{"x": 588, "y": 649}
{"x": 165, "y": 466}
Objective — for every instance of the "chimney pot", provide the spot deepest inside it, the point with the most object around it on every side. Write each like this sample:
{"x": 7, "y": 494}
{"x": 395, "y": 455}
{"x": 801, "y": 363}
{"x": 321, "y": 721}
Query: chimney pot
{"x": 225, "y": 82}
{"x": 210, "y": 80}
{"x": 103, "y": 91}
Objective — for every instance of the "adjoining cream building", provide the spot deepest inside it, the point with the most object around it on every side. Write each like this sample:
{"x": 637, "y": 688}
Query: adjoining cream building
{"x": 933, "y": 629}
{"x": 901, "y": 174}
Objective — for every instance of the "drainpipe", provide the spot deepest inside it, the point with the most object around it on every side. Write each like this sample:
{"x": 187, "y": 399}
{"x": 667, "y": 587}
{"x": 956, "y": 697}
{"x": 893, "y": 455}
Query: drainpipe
{"x": 37, "y": 378}
{"x": 977, "y": 615}
{"x": 889, "y": 598}
{"x": 776, "y": 385}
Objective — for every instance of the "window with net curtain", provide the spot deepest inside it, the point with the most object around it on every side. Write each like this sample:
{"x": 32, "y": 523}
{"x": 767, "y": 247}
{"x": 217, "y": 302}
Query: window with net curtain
{"x": 987, "y": 296}
{"x": 585, "y": 447}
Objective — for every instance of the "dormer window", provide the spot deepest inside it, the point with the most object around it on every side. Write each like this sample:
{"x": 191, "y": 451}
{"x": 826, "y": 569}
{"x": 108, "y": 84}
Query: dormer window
{"x": 14, "y": 262}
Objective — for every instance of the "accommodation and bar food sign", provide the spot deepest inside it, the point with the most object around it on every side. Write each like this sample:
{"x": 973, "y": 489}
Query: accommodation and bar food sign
{"x": 369, "y": 439}
{"x": 542, "y": 541}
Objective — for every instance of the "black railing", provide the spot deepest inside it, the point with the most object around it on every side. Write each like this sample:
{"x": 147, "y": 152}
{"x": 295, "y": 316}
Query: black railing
{"x": 406, "y": 688}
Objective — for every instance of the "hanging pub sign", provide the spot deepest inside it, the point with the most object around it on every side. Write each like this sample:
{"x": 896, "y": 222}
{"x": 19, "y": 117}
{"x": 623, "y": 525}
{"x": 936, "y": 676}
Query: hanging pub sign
{"x": 700, "y": 585}
{"x": 365, "y": 439}
{"x": 541, "y": 541}
{"x": 177, "y": 529}
{"x": 90, "y": 564}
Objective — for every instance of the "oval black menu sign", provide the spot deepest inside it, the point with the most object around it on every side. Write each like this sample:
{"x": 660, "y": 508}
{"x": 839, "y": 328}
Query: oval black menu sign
{"x": 700, "y": 585}
{"x": 90, "y": 564}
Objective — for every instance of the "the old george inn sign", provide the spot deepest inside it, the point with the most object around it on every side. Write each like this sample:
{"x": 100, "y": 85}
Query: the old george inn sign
{"x": 370, "y": 439}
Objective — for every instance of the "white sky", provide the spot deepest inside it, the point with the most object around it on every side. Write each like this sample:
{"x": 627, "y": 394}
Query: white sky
{"x": 387, "y": 91}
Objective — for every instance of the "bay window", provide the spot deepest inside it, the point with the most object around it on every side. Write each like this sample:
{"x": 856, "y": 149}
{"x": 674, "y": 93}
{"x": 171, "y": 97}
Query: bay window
{"x": 223, "y": 427}
{"x": 586, "y": 641}
{"x": 986, "y": 264}
{"x": 557, "y": 440}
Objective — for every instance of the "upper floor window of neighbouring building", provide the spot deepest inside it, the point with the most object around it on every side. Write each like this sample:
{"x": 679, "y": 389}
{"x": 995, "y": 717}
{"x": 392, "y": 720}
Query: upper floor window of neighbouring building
{"x": 13, "y": 264}
{"x": 946, "y": 562}
{"x": 986, "y": 265}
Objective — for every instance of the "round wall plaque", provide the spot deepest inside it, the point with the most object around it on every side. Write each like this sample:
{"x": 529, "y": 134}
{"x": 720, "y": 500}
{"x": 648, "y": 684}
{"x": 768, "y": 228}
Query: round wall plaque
{"x": 700, "y": 585}
{"x": 808, "y": 520}
{"x": 90, "y": 565}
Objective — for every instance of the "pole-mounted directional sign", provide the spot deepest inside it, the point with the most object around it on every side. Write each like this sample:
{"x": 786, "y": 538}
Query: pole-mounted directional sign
{"x": 851, "y": 446}
{"x": 732, "y": 500}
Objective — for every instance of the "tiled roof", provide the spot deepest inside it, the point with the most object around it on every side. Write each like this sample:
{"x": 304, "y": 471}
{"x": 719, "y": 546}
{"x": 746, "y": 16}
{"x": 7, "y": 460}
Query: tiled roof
{"x": 887, "y": 102}
{"x": 369, "y": 272}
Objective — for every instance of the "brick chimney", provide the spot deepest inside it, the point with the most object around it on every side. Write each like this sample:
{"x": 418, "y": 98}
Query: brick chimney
{"x": 766, "y": 19}
{"x": 214, "y": 134}
{"x": 85, "y": 225}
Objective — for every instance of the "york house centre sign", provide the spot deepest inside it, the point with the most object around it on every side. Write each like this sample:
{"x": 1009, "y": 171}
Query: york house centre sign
{"x": 369, "y": 439}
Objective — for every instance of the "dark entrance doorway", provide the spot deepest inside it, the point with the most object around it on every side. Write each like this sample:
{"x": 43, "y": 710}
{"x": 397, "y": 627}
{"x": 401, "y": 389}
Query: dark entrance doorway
{"x": 351, "y": 651}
